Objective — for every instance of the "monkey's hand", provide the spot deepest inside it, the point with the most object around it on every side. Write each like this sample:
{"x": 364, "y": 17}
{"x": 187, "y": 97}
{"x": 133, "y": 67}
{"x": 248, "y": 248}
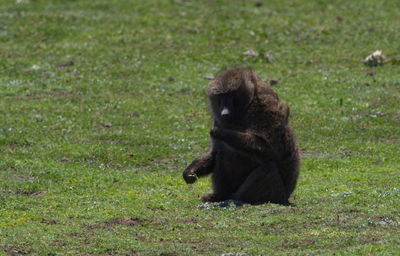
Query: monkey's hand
{"x": 219, "y": 133}
{"x": 246, "y": 142}
{"x": 199, "y": 167}
{"x": 189, "y": 174}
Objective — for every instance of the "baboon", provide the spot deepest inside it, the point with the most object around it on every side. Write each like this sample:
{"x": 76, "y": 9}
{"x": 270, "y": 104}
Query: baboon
{"x": 254, "y": 156}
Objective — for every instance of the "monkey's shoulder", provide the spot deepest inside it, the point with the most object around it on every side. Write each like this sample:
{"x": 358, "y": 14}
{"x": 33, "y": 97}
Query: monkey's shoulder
{"x": 270, "y": 103}
{"x": 268, "y": 112}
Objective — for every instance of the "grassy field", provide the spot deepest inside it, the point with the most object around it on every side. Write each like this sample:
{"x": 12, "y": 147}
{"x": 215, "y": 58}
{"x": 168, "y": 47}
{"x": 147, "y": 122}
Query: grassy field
{"x": 102, "y": 106}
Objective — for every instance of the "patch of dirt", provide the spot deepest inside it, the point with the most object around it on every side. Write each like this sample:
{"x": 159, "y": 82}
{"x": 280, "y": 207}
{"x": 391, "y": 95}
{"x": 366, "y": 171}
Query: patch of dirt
{"x": 293, "y": 245}
{"x": 340, "y": 219}
{"x": 124, "y": 222}
{"x": 59, "y": 243}
{"x": 345, "y": 152}
{"x": 66, "y": 64}
{"x": 84, "y": 140}
{"x": 349, "y": 211}
{"x": 391, "y": 140}
{"x": 110, "y": 224}
{"x": 27, "y": 192}
{"x": 49, "y": 222}
{"x": 130, "y": 154}
{"x": 339, "y": 18}
{"x": 379, "y": 163}
{"x": 64, "y": 159}
{"x": 17, "y": 250}
{"x": 105, "y": 126}
{"x": 385, "y": 222}
{"x": 131, "y": 253}
{"x": 75, "y": 234}
{"x": 191, "y": 220}
{"x": 7, "y": 53}
{"x": 52, "y": 93}
{"x": 134, "y": 114}
{"x": 163, "y": 162}
{"x": 18, "y": 144}
{"x": 23, "y": 177}
{"x": 168, "y": 254}
{"x": 371, "y": 73}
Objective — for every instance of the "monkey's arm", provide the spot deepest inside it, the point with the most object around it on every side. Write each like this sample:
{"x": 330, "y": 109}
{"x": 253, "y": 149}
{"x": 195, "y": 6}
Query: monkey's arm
{"x": 246, "y": 142}
{"x": 199, "y": 167}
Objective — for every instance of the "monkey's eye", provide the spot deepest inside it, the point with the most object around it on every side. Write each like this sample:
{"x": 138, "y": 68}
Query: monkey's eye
{"x": 220, "y": 101}
{"x": 235, "y": 102}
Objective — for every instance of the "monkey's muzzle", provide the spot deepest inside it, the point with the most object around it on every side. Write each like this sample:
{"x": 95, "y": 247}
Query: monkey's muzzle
{"x": 225, "y": 112}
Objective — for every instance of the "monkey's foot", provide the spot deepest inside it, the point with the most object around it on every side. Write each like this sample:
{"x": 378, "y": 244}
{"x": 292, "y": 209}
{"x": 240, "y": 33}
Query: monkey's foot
{"x": 212, "y": 198}
{"x": 223, "y": 204}
{"x": 230, "y": 202}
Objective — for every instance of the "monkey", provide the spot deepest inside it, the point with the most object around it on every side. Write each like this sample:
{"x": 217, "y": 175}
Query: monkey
{"x": 254, "y": 156}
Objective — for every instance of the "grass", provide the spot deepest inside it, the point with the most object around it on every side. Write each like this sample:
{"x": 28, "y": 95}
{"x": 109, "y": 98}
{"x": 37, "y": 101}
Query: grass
{"x": 102, "y": 106}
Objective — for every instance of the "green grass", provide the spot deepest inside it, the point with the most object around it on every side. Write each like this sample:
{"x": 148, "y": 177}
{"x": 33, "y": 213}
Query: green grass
{"x": 91, "y": 154}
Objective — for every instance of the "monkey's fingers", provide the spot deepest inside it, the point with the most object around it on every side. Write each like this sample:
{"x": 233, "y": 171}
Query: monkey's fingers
{"x": 216, "y": 133}
{"x": 189, "y": 177}
{"x": 220, "y": 134}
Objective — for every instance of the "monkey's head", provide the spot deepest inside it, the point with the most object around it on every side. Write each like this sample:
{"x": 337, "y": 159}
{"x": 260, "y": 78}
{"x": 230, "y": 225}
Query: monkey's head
{"x": 230, "y": 94}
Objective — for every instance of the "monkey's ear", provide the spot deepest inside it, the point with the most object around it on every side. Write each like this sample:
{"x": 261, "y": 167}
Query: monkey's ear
{"x": 284, "y": 111}
{"x": 212, "y": 88}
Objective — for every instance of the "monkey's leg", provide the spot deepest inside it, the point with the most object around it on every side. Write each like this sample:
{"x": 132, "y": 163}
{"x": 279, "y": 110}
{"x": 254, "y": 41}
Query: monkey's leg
{"x": 263, "y": 185}
{"x": 199, "y": 167}
{"x": 222, "y": 190}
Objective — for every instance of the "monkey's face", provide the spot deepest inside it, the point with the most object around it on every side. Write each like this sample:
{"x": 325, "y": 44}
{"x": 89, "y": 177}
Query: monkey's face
{"x": 229, "y": 108}
{"x": 230, "y": 94}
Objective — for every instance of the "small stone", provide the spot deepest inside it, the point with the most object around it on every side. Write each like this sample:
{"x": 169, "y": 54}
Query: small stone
{"x": 268, "y": 58}
{"x": 250, "y": 53}
{"x": 273, "y": 82}
{"x": 375, "y": 59}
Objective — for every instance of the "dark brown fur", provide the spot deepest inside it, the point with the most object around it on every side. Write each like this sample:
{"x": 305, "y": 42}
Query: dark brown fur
{"x": 254, "y": 156}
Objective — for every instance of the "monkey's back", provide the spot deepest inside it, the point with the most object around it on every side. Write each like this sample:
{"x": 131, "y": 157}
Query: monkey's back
{"x": 290, "y": 161}
{"x": 268, "y": 117}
